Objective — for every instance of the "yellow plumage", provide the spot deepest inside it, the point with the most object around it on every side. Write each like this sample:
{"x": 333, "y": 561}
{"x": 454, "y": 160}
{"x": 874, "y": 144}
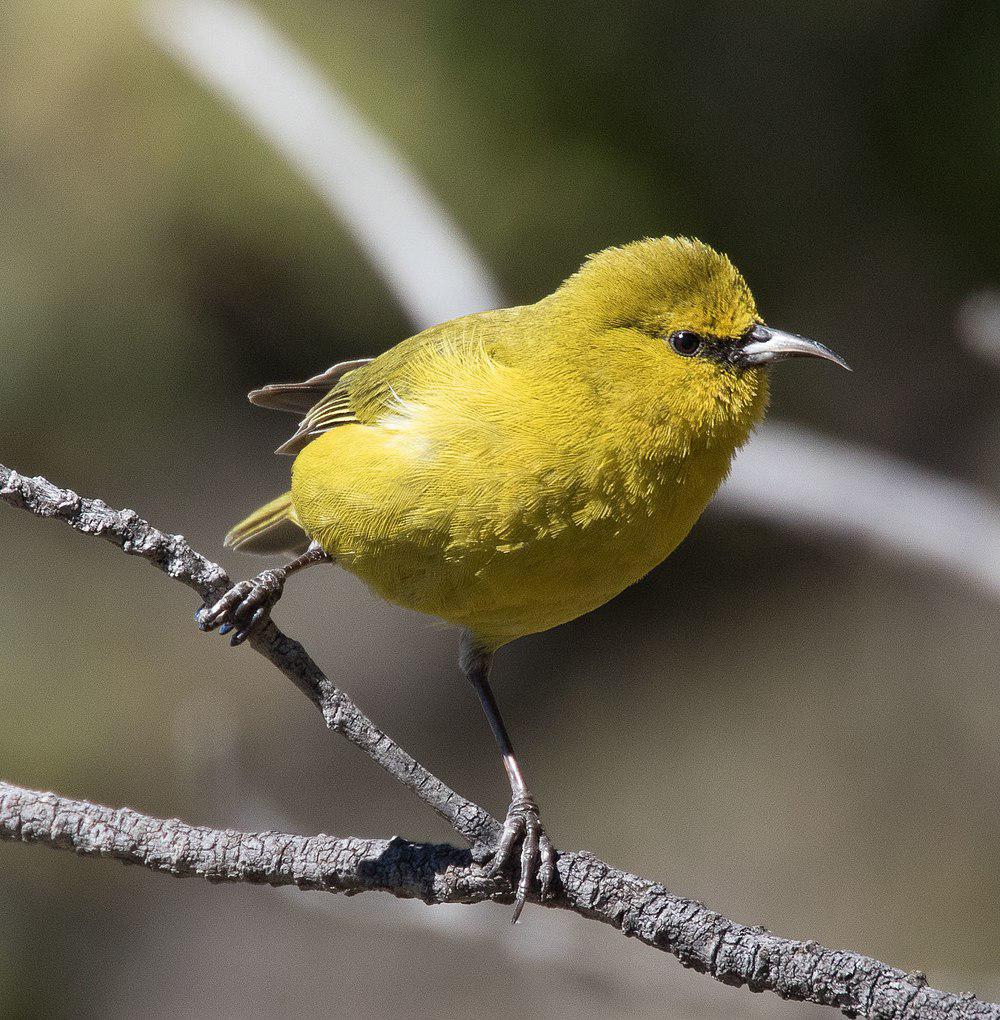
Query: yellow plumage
{"x": 511, "y": 470}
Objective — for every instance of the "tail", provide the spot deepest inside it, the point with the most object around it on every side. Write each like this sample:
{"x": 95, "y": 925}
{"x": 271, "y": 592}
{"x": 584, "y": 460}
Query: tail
{"x": 273, "y": 528}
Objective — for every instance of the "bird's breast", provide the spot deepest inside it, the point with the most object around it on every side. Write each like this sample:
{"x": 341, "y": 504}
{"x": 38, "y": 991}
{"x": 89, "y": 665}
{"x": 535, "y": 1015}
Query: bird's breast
{"x": 510, "y": 507}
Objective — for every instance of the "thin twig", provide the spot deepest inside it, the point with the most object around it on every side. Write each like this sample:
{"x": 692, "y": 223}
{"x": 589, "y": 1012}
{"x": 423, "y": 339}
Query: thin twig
{"x": 698, "y": 937}
{"x": 172, "y": 554}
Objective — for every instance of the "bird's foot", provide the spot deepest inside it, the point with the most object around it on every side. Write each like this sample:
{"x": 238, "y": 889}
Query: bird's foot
{"x": 538, "y": 859}
{"x": 245, "y": 607}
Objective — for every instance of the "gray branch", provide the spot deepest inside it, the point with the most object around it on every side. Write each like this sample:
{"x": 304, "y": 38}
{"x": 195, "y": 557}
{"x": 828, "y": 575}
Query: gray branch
{"x": 172, "y": 554}
{"x": 698, "y": 937}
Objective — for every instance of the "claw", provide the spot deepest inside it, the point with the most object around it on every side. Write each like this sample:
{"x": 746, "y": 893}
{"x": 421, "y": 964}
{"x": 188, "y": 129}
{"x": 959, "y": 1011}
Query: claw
{"x": 244, "y": 607}
{"x": 537, "y": 858}
{"x": 260, "y": 614}
{"x": 529, "y": 862}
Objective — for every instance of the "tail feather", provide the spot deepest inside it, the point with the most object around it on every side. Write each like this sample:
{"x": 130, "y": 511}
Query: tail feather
{"x": 273, "y": 528}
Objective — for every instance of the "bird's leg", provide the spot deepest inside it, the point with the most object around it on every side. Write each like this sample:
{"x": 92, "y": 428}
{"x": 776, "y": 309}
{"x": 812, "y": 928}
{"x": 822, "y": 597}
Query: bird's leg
{"x": 248, "y": 604}
{"x": 522, "y": 823}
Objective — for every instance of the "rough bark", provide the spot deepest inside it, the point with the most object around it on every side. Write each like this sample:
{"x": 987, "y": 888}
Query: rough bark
{"x": 172, "y": 554}
{"x": 698, "y": 937}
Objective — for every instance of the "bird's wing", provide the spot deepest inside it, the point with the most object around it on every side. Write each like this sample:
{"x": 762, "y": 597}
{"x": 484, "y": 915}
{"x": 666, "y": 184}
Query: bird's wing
{"x": 364, "y": 390}
{"x": 298, "y": 398}
{"x": 335, "y": 408}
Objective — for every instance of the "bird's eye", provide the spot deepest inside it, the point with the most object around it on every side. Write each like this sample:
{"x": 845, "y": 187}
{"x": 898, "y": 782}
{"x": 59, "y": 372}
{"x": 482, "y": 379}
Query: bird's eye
{"x": 685, "y": 342}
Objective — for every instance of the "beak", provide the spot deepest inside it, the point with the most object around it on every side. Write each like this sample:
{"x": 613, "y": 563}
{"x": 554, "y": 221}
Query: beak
{"x": 768, "y": 345}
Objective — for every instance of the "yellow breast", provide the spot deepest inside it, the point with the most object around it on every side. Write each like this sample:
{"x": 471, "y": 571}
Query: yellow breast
{"x": 510, "y": 498}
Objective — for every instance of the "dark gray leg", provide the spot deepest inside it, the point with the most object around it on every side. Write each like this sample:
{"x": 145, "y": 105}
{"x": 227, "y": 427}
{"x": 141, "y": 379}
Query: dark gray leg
{"x": 247, "y": 605}
{"x": 523, "y": 823}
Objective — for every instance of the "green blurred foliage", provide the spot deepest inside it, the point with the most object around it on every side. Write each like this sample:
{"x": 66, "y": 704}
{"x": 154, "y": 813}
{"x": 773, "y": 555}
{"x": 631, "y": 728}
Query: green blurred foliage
{"x": 800, "y": 736}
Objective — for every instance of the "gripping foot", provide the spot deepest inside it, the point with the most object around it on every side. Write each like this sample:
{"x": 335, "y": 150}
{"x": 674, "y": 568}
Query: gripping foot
{"x": 538, "y": 859}
{"x": 245, "y": 607}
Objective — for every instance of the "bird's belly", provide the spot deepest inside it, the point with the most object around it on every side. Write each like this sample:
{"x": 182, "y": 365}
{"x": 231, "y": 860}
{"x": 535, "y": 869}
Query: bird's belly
{"x": 552, "y": 580}
{"x": 498, "y": 564}
{"x": 506, "y": 590}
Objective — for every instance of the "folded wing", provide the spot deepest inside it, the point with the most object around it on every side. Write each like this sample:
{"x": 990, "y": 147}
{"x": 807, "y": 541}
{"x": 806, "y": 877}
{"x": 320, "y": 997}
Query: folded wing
{"x": 356, "y": 391}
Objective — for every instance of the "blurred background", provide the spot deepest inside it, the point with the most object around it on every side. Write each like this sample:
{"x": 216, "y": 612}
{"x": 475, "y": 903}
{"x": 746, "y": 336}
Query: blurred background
{"x": 798, "y": 728}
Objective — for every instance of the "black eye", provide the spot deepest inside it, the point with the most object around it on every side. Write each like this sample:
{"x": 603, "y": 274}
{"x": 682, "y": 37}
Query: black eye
{"x": 685, "y": 342}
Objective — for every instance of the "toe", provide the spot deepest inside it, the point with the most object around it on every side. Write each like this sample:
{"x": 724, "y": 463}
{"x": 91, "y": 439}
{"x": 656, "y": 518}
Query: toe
{"x": 242, "y": 613}
{"x": 512, "y": 830}
{"x": 210, "y": 617}
{"x": 529, "y": 863}
{"x": 547, "y": 872}
{"x": 242, "y": 608}
{"x": 245, "y": 631}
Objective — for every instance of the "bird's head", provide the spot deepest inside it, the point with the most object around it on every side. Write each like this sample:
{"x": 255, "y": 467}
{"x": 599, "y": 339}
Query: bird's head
{"x": 682, "y": 317}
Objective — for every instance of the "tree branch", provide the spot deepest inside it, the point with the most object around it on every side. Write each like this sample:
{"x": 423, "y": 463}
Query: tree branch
{"x": 698, "y": 937}
{"x": 171, "y": 554}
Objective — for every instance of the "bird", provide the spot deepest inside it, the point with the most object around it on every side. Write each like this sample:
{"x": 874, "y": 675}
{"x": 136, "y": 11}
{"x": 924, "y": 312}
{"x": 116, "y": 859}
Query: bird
{"x": 513, "y": 469}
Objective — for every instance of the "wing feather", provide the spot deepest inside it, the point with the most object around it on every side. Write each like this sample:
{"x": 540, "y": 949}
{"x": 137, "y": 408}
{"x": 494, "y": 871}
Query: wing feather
{"x": 359, "y": 391}
{"x": 298, "y": 398}
{"x": 333, "y": 409}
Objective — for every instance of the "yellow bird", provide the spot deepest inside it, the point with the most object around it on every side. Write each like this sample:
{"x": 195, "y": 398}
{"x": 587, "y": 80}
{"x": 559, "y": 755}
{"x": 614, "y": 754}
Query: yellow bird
{"x": 511, "y": 470}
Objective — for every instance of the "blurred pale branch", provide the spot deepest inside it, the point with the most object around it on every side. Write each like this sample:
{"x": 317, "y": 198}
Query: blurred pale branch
{"x": 817, "y": 486}
{"x": 787, "y": 474}
{"x": 698, "y": 937}
{"x": 393, "y": 217}
{"x": 977, "y": 322}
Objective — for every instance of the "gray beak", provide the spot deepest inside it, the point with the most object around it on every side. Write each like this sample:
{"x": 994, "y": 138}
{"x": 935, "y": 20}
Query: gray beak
{"x": 769, "y": 345}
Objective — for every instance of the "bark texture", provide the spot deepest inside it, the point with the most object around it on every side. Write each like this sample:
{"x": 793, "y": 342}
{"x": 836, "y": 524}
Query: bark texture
{"x": 697, "y": 936}
{"x": 172, "y": 554}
